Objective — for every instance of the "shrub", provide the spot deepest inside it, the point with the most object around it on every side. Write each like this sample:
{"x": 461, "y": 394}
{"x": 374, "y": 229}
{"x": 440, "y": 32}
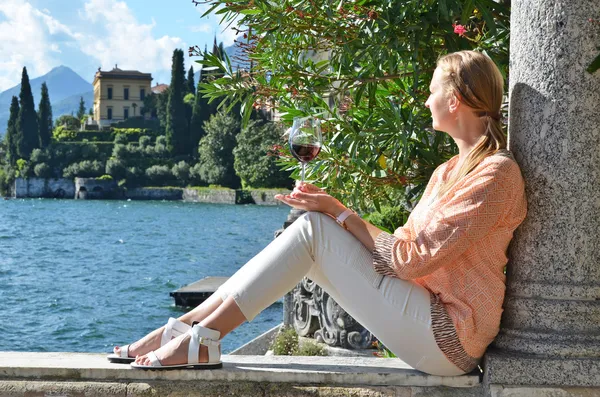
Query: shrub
{"x": 121, "y": 139}
{"x": 23, "y": 169}
{"x": 160, "y": 150}
{"x": 70, "y": 122}
{"x": 38, "y": 156}
{"x": 216, "y": 151}
{"x": 389, "y": 218}
{"x": 120, "y": 151}
{"x": 310, "y": 348}
{"x": 89, "y": 151}
{"x": 84, "y": 169}
{"x": 195, "y": 177}
{"x": 161, "y": 140}
{"x": 285, "y": 343}
{"x": 62, "y": 134}
{"x": 42, "y": 170}
{"x": 106, "y": 178}
{"x": 254, "y": 162}
{"x": 135, "y": 175}
{"x": 144, "y": 141}
{"x": 116, "y": 168}
{"x": 181, "y": 171}
{"x": 159, "y": 174}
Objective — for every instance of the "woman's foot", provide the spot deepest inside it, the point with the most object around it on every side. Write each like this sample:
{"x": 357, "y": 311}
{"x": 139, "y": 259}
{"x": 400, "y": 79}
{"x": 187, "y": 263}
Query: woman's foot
{"x": 146, "y": 344}
{"x": 155, "y": 339}
{"x": 175, "y": 352}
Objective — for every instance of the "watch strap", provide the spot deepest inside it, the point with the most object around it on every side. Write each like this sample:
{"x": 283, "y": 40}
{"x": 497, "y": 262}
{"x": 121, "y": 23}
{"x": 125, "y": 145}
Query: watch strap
{"x": 341, "y": 219}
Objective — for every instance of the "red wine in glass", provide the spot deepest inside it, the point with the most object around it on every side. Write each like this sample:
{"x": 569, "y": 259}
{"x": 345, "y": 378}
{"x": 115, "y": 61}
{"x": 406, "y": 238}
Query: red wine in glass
{"x": 305, "y": 152}
{"x": 305, "y": 140}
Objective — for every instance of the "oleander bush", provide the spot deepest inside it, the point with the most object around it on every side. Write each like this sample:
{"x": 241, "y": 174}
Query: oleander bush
{"x": 364, "y": 68}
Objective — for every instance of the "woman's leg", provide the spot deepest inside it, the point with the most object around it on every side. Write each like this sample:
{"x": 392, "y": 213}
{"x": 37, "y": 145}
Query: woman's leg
{"x": 396, "y": 311}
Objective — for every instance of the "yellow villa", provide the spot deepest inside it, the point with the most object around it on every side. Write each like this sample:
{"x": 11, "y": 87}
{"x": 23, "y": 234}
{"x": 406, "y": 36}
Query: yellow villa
{"x": 119, "y": 94}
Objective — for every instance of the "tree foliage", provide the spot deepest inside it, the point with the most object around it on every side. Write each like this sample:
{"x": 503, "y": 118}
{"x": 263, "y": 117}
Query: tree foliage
{"x": 364, "y": 67}
{"x": 81, "y": 109}
{"x": 216, "y": 151}
{"x": 256, "y": 155}
{"x": 12, "y": 133}
{"x": 176, "y": 125}
{"x": 190, "y": 84}
{"x": 45, "y": 117}
{"x": 27, "y": 123}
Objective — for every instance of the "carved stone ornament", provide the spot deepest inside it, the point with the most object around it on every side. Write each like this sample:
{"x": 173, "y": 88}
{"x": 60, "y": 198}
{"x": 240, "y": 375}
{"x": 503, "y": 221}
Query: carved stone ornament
{"x": 316, "y": 313}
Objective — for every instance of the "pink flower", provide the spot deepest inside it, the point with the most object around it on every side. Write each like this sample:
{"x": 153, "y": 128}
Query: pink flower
{"x": 459, "y": 29}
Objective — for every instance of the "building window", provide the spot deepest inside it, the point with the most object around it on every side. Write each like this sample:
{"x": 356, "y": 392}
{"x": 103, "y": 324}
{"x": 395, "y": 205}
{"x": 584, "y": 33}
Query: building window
{"x": 109, "y": 92}
{"x": 109, "y": 114}
{"x": 126, "y": 94}
{"x": 125, "y": 113}
{"x": 142, "y": 94}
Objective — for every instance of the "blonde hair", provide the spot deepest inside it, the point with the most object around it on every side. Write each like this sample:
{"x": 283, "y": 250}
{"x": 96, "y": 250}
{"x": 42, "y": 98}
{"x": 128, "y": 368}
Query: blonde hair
{"x": 476, "y": 81}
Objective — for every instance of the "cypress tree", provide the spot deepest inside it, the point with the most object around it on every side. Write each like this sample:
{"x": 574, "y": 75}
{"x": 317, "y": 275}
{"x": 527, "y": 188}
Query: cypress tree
{"x": 81, "y": 110}
{"x": 191, "y": 87}
{"x": 27, "y": 124}
{"x": 11, "y": 132}
{"x": 45, "y": 117}
{"x": 176, "y": 131}
{"x": 200, "y": 114}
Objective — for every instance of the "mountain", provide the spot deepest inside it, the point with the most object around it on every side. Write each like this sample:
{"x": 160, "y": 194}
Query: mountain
{"x": 63, "y": 86}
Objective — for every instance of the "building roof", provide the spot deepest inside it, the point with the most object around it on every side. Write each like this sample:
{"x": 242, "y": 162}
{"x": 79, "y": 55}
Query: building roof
{"x": 159, "y": 88}
{"x": 117, "y": 73}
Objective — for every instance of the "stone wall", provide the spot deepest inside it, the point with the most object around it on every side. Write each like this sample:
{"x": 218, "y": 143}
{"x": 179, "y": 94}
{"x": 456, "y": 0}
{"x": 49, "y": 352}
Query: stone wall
{"x": 206, "y": 195}
{"x": 93, "y": 188}
{"x": 230, "y": 196}
{"x": 265, "y": 196}
{"x": 148, "y": 193}
{"x": 48, "y": 188}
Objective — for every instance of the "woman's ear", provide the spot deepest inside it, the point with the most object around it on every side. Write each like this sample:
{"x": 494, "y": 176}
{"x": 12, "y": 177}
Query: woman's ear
{"x": 453, "y": 103}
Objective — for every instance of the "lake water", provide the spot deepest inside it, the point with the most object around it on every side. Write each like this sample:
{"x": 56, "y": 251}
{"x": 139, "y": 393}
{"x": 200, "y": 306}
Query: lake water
{"x": 83, "y": 276}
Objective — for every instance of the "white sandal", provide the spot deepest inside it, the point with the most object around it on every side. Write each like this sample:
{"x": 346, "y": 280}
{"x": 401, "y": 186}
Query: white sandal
{"x": 173, "y": 329}
{"x": 198, "y": 336}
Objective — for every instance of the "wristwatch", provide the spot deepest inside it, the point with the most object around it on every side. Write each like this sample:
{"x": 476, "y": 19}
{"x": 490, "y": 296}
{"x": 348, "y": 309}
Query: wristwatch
{"x": 341, "y": 219}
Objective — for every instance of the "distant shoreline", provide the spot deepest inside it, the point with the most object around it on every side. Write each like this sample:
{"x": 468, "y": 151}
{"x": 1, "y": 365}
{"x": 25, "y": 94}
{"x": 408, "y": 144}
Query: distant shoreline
{"x": 90, "y": 189}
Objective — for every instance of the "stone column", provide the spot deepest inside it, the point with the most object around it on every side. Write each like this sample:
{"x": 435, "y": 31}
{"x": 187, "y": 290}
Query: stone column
{"x": 550, "y": 332}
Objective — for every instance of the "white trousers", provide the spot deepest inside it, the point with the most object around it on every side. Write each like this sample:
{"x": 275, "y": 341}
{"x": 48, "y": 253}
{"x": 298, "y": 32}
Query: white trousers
{"x": 396, "y": 311}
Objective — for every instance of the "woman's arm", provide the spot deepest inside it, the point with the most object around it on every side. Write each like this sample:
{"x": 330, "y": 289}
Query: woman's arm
{"x": 311, "y": 198}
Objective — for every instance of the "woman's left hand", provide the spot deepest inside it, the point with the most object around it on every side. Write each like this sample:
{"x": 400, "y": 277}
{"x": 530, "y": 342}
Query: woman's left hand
{"x": 308, "y": 197}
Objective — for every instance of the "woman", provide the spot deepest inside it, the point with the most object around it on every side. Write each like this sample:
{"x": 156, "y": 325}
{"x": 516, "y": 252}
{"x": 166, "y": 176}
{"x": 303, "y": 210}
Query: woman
{"x": 432, "y": 292}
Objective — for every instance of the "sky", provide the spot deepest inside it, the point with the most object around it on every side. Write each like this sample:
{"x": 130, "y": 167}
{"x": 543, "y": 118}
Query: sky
{"x": 87, "y": 34}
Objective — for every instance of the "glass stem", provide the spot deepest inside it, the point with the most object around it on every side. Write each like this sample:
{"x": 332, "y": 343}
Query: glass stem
{"x": 303, "y": 166}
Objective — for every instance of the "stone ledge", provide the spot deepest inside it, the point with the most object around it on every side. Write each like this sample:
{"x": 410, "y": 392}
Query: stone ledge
{"x": 329, "y": 371}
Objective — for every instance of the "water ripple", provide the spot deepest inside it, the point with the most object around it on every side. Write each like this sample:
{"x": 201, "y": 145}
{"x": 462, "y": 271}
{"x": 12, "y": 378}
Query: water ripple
{"x": 86, "y": 275}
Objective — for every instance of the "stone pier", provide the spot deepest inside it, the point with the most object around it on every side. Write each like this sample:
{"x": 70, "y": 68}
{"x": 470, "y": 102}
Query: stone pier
{"x": 550, "y": 332}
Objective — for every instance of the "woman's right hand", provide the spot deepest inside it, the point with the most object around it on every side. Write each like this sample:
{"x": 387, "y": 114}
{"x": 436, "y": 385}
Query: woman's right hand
{"x": 309, "y": 197}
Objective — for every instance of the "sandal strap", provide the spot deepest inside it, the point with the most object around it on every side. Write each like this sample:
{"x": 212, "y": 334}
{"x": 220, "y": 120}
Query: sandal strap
{"x": 173, "y": 329}
{"x": 200, "y": 335}
{"x": 124, "y": 351}
{"x": 154, "y": 362}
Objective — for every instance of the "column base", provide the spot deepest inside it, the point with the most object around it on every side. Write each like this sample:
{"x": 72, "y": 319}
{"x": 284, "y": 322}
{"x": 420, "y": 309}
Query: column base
{"x": 507, "y": 369}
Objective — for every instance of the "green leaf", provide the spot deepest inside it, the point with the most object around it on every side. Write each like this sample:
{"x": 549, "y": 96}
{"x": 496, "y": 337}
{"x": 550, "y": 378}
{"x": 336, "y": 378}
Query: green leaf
{"x": 251, "y": 12}
{"x": 595, "y": 65}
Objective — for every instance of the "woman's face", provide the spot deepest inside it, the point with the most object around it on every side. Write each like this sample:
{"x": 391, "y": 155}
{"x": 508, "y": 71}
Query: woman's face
{"x": 439, "y": 102}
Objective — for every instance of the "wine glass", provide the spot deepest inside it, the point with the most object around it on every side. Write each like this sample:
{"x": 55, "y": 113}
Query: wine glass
{"x": 305, "y": 140}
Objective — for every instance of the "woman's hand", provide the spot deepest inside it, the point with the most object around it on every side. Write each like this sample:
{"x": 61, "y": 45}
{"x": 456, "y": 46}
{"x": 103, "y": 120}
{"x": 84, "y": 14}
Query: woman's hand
{"x": 308, "y": 197}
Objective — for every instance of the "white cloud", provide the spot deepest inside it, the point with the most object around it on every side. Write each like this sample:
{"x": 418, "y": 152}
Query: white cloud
{"x": 125, "y": 41}
{"x": 204, "y": 28}
{"x": 28, "y": 37}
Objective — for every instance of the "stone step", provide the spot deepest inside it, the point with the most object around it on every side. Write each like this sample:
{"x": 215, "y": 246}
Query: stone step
{"x": 80, "y": 373}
